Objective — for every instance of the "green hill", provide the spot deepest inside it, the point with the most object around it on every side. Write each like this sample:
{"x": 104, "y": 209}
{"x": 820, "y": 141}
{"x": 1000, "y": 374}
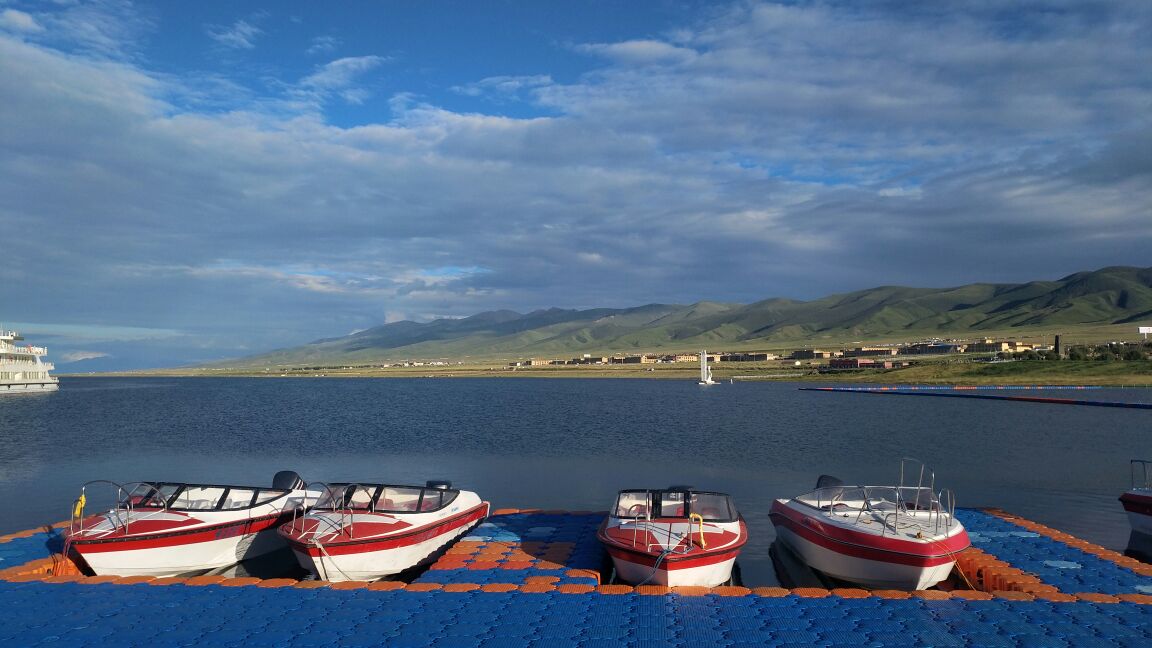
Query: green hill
{"x": 1115, "y": 295}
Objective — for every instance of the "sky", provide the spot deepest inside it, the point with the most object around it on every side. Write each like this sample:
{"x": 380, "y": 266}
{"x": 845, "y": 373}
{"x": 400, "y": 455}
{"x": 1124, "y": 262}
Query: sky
{"x": 191, "y": 181}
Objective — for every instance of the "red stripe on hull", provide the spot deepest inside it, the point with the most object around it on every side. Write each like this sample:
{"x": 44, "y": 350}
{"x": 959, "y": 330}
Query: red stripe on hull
{"x": 672, "y": 562}
{"x": 416, "y": 536}
{"x": 867, "y": 546}
{"x": 696, "y": 556}
{"x": 235, "y": 528}
{"x": 1137, "y": 503}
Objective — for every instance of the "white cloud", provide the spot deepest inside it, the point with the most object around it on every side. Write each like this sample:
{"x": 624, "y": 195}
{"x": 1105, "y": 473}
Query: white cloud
{"x": 774, "y": 151}
{"x": 504, "y": 85}
{"x": 239, "y": 35}
{"x": 18, "y": 21}
{"x": 323, "y": 45}
{"x": 78, "y": 356}
{"x": 641, "y": 52}
{"x": 339, "y": 78}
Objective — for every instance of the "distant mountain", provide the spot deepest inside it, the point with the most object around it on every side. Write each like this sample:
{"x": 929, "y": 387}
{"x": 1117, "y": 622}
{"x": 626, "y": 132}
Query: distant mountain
{"x": 1115, "y": 295}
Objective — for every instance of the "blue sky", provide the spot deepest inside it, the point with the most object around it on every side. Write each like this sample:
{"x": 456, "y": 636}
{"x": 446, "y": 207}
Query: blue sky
{"x": 182, "y": 182}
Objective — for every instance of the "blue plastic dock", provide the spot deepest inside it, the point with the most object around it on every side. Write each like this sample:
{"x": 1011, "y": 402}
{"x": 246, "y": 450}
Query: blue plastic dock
{"x": 74, "y": 614}
{"x": 526, "y": 580}
{"x": 1068, "y": 568}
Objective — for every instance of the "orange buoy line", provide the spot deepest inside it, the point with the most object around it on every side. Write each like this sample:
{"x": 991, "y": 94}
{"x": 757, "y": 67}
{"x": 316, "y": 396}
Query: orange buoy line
{"x": 920, "y": 391}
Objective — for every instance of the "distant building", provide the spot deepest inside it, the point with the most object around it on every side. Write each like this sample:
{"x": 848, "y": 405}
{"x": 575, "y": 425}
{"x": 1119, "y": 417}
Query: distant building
{"x": 748, "y": 357}
{"x": 811, "y": 354}
{"x": 862, "y": 363}
{"x": 932, "y": 348}
{"x": 634, "y": 359}
{"x": 588, "y": 359}
{"x": 996, "y": 346}
{"x": 865, "y": 352}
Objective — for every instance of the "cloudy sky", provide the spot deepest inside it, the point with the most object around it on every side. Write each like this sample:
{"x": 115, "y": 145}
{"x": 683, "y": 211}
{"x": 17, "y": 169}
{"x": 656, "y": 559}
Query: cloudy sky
{"x": 185, "y": 181}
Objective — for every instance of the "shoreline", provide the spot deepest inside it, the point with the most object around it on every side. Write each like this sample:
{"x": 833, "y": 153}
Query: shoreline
{"x": 1069, "y": 373}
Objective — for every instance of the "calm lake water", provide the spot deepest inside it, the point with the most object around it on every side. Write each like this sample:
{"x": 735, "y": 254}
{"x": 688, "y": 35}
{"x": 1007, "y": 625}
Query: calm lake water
{"x": 571, "y": 444}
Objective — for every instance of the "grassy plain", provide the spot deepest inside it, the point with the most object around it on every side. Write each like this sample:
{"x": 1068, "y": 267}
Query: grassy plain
{"x": 933, "y": 371}
{"x": 951, "y": 370}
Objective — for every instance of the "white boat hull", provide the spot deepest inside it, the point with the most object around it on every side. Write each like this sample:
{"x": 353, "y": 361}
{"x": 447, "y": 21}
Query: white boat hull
{"x": 204, "y": 532}
{"x": 180, "y": 560}
{"x": 365, "y": 545}
{"x": 713, "y": 575}
{"x": 29, "y": 388}
{"x": 671, "y": 551}
{"x": 873, "y": 574}
{"x": 373, "y": 565}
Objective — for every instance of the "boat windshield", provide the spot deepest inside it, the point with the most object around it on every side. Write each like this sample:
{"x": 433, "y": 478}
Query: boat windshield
{"x": 198, "y": 497}
{"x": 713, "y": 507}
{"x": 382, "y": 498}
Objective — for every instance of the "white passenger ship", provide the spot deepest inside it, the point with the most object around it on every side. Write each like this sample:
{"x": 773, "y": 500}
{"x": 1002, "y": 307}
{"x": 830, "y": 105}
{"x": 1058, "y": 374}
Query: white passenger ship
{"x": 22, "y": 367}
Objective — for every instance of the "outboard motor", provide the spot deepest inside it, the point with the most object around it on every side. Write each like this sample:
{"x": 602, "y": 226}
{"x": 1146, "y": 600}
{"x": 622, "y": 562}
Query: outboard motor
{"x": 287, "y": 480}
{"x": 832, "y": 487}
{"x": 828, "y": 481}
{"x": 442, "y": 484}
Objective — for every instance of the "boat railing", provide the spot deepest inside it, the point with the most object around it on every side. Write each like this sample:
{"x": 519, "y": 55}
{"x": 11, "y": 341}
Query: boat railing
{"x": 1140, "y": 473}
{"x": 127, "y": 499}
{"x": 329, "y": 497}
{"x": 647, "y": 518}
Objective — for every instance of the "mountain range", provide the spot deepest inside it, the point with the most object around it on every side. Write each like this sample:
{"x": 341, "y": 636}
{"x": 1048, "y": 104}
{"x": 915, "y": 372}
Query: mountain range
{"x": 1114, "y": 295}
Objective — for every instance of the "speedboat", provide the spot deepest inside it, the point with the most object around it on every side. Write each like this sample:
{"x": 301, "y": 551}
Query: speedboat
{"x": 360, "y": 532}
{"x": 1137, "y": 500}
{"x": 882, "y": 537}
{"x": 675, "y": 536}
{"x": 176, "y": 528}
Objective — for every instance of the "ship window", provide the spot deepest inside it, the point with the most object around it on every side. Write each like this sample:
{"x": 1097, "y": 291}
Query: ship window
{"x": 238, "y": 498}
{"x": 713, "y": 507}
{"x": 331, "y": 498}
{"x": 263, "y": 496}
{"x": 632, "y": 504}
{"x": 672, "y": 505}
{"x": 198, "y": 498}
{"x": 398, "y": 499}
{"x": 150, "y": 495}
{"x": 358, "y": 497}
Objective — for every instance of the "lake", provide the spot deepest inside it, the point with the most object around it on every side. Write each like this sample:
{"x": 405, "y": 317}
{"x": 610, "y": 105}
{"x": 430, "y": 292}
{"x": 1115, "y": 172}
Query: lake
{"x": 572, "y": 443}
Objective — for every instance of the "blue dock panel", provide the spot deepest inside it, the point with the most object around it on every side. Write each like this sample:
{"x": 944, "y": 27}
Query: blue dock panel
{"x": 76, "y": 614}
{"x": 1068, "y": 568}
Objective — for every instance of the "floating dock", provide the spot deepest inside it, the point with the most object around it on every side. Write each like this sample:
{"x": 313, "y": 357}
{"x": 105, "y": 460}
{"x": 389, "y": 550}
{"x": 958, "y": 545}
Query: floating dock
{"x": 979, "y": 392}
{"x": 525, "y": 579}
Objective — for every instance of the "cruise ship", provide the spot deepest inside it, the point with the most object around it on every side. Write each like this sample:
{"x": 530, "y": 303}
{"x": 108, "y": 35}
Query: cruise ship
{"x": 22, "y": 367}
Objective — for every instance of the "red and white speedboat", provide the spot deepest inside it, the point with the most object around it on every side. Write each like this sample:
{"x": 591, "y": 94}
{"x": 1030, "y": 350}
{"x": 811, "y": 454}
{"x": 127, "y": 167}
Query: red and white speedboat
{"x": 1137, "y": 500}
{"x": 173, "y": 528}
{"x": 882, "y": 537}
{"x": 676, "y": 536}
{"x": 369, "y": 531}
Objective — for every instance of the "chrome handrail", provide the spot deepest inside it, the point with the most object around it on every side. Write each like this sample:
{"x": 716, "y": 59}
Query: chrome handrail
{"x": 322, "y": 489}
{"x": 123, "y": 503}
